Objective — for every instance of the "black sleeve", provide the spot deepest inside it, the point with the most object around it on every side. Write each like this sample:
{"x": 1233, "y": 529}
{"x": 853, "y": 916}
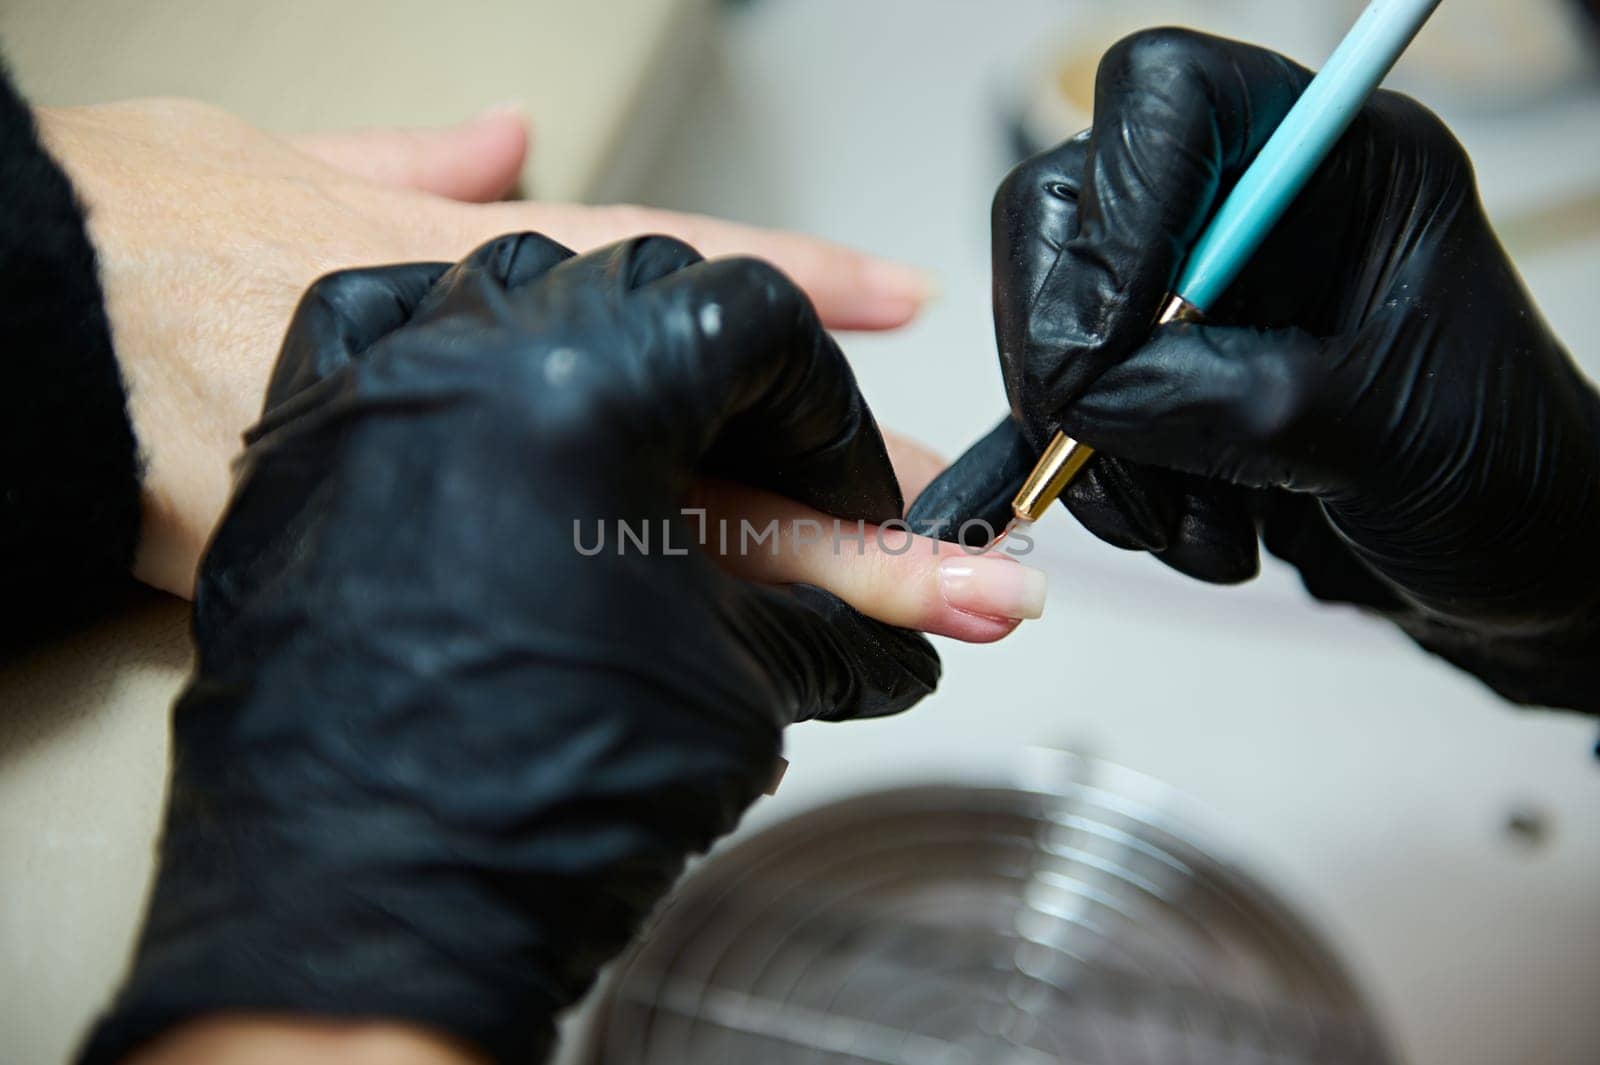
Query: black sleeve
{"x": 69, "y": 475}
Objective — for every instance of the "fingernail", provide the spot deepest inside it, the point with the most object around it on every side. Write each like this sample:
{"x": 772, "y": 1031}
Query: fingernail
{"x": 992, "y": 586}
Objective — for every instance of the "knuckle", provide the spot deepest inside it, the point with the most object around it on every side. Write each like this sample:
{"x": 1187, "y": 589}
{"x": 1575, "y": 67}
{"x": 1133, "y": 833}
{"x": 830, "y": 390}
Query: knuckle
{"x": 667, "y": 245}
{"x": 333, "y": 289}
{"x": 774, "y": 290}
{"x": 499, "y": 252}
{"x": 1281, "y": 397}
{"x": 1402, "y": 120}
{"x": 760, "y": 273}
{"x": 1154, "y": 59}
{"x": 1056, "y": 173}
{"x": 654, "y": 255}
{"x": 517, "y": 237}
{"x": 510, "y": 255}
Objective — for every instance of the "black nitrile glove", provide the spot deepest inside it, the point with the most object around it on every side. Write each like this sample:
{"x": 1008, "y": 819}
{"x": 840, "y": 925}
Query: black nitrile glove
{"x": 435, "y": 764}
{"x": 1376, "y": 394}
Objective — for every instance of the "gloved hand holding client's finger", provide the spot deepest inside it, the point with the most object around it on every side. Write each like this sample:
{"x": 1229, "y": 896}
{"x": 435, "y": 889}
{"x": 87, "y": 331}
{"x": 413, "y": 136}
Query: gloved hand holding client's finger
{"x": 435, "y": 763}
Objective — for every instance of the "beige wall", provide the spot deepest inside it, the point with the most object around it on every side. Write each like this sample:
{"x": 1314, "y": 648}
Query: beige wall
{"x": 583, "y": 69}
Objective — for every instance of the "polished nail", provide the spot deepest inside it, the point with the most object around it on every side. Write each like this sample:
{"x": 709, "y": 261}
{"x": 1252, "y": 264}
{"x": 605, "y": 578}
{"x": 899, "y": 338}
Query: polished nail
{"x": 992, "y": 586}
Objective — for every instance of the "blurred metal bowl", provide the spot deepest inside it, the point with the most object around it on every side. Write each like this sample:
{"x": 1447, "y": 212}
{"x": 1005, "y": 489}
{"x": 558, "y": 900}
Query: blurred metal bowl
{"x": 1069, "y": 920}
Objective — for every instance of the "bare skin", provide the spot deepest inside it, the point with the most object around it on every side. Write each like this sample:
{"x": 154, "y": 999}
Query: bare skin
{"x": 887, "y": 573}
{"x": 208, "y": 230}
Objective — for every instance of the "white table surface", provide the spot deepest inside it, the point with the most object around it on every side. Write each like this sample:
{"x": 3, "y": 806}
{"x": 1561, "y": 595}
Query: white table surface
{"x": 1369, "y": 782}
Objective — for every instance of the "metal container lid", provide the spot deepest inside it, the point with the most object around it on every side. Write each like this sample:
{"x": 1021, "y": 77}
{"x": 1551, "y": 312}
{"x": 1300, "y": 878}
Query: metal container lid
{"x": 1071, "y": 920}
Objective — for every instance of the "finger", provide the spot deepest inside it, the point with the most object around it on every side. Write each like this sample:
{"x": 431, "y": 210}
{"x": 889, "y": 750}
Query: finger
{"x": 1134, "y": 507}
{"x": 1177, "y": 116}
{"x": 765, "y": 395}
{"x": 342, "y": 315}
{"x": 476, "y": 161}
{"x": 1034, "y": 215}
{"x": 970, "y": 502}
{"x": 509, "y": 261}
{"x": 888, "y": 574}
{"x": 1035, "y": 218}
{"x": 915, "y": 464}
{"x": 851, "y": 289}
{"x": 1249, "y": 407}
{"x": 1215, "y": 537}
{"x": 628, "y": 264}
{"x": 846, "y": 664}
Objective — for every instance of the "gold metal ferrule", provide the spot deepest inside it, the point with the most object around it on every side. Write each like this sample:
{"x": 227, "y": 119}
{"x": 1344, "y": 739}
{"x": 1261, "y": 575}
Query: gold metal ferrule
{"x": 1064, "y": 457}
{"x": 1178, "y": 309}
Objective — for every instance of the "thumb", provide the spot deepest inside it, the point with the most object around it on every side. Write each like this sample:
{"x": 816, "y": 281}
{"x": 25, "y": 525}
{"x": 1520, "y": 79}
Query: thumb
{"x": 475, "y": 161}
{"x": 1260, "y": 409}
{"x": 837, "y": 663}
{"x": 342, "y": 315}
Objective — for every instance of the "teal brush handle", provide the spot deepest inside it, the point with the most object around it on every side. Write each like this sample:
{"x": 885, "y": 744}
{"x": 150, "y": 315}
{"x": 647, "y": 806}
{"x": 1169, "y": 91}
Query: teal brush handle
{"x": 1292, "y": 154}
{"x": 1303, "y": 140}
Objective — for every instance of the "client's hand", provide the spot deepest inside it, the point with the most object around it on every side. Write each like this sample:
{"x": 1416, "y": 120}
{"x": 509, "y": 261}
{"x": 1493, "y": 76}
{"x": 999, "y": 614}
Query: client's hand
{"x": 208, "y": 230}
{"x": 435, "y": 762}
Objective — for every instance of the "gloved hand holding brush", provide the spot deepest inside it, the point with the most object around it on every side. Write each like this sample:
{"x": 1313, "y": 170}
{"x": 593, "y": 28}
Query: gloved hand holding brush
{"x": 435, "y": 763}
{"x": 1376, "y": 398}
